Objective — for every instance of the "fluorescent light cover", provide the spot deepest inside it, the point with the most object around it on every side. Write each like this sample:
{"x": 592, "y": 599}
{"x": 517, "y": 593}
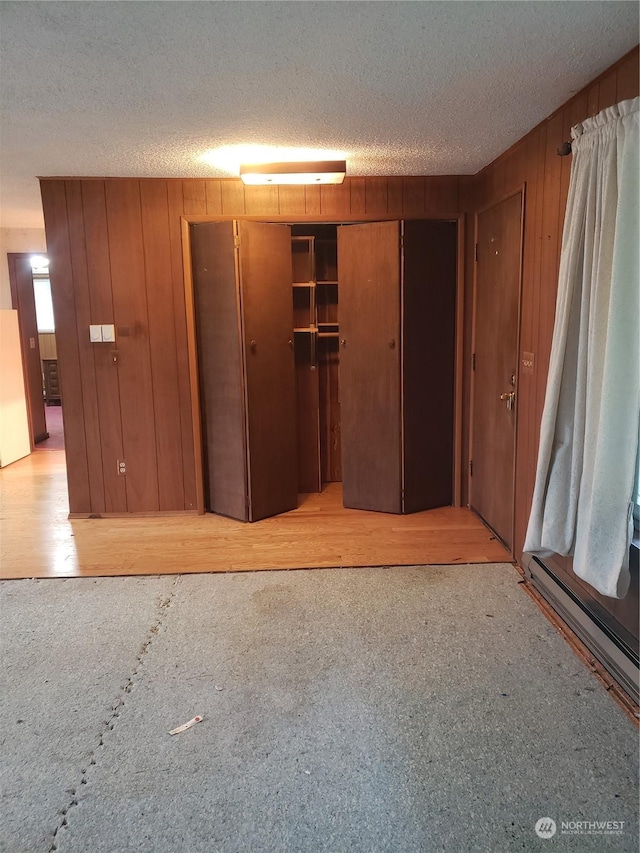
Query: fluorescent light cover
{"x": 229, "y": 157}
{"x": 327, "y": 172}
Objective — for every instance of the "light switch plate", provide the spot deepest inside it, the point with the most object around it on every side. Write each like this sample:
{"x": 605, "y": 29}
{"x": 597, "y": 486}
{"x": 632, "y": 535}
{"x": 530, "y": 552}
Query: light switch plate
{"x": 95, "y": 334}
{"x": 108, "y": 332}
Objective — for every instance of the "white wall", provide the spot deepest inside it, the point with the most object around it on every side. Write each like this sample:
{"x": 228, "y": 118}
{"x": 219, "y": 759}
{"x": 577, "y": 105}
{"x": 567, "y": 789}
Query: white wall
{"x": 17, "y": 240}
{"x": 14, "y": 426}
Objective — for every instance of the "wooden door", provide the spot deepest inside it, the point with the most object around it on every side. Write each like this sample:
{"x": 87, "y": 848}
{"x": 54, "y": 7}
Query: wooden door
{"x": 244, "y": 331}
{"x": 428, "y": 360}
{"x": 369, "y": 284}
{"x": 23, "y": 300}
{"x": 220, "y": 369}
{"x": 267, "y": 315}
{"x": 497, "y": 300}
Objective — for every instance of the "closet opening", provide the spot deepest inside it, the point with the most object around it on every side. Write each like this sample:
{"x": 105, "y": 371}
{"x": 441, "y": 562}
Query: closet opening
{"x": 326, "y": 359}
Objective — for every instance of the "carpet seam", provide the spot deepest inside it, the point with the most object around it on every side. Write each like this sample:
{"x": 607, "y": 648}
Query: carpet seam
{"x": 109, "y": 724}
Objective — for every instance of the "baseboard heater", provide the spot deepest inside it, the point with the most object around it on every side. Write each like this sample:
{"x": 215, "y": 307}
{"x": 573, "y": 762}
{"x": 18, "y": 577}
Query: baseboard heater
{"x": 614, "y": 654}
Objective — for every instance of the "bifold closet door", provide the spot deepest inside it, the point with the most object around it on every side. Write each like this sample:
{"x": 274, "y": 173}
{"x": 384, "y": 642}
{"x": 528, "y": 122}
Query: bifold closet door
{"x": 242, "y": 296}
{"x": 267, "y": 311}
{"x": 370, "y": 404}
{"x": 397, "y": 356}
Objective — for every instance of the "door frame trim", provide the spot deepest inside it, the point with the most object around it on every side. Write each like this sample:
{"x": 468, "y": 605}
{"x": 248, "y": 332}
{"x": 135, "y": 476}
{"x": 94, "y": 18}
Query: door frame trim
{"x": 522, "y": 191}
{"x": 301, "y": 219}
{"x": 12, "y": 257}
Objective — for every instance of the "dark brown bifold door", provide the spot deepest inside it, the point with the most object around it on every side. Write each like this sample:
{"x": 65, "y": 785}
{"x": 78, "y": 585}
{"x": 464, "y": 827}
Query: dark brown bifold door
{"x": 242, "y": 295}
{"x": 397, "y": 356}
{"x": 499, "y": 252}
{"x": 369, "y": 276}
{"x": 429, "y": 273}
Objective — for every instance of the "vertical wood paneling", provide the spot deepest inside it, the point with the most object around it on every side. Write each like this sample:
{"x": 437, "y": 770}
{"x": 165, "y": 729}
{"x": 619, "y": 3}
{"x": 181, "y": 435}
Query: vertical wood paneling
{"x": 607, "y": 90}
{"x": 375, "y": 195}
{"x": 394, "y": 197}
{"x": 54, "y": 202}
{"x": 195, "y": 197}
{"x": 627, "y": 79}
{"x": 84, "y": 316}
{"x": 162, "y": 343}
{"x": 593, "y": 99}
{"x": 335, "y": 199}
{"x": 260, "y": 201}
{"x": 106, "y": 372}
{"x": 175, "y": 201}
{"x": 232, "y": 198}
{"x": 413, "y": 194}
{"x": 357, "y": 195}
{"x": 213, "y": 196}
{"x": 291, "y": 199}
{"x": 126, "y": 252}
{"x": 551, "y": 235}
{"x": 311, "y": 200}
{"x": 441, "y": 194}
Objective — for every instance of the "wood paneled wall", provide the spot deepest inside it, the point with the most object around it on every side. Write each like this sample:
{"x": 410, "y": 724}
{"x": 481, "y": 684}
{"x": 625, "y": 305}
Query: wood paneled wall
{"x": 115, "y": 247}
{"x": 534, "y": 163}
{"x": 115, "y": 252}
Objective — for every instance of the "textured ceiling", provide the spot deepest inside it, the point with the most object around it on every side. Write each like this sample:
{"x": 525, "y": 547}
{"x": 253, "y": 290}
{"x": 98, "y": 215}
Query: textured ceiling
{"x": 144, "y": 88}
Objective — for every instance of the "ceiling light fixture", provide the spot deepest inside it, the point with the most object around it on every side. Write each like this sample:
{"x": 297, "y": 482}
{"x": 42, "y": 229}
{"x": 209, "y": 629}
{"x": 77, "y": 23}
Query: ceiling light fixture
{"x": 303, "y": 172}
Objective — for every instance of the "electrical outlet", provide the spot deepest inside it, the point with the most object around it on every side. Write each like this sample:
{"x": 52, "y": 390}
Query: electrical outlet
{"x": 122, "y": 467}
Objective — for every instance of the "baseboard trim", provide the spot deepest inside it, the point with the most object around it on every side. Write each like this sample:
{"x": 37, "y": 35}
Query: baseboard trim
{"x": 621, "y": 663}
{"x": 172, "y": 513}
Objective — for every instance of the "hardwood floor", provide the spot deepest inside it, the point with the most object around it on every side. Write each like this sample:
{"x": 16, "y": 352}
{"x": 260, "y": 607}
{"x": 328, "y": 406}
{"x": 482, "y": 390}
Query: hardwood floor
{"x": 39, "y": 541}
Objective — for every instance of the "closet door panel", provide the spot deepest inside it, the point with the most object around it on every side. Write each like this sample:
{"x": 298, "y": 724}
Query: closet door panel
{"x": 219, "y": 345}
{"x": 266, "y": 276}
{"x": 429, "y": 304}
{"x": 370, "y": 346}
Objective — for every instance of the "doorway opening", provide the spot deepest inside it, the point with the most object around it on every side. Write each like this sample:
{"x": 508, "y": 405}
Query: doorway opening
{"x": 325, "y": 353}
{"x": 31, "y": 297}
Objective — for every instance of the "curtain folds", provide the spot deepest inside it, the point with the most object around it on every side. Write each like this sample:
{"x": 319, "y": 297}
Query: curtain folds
{"x": 582, "y": 501}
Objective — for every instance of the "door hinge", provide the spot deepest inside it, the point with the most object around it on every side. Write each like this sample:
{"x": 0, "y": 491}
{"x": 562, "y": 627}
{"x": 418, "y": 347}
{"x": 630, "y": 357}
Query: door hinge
{"x": 236, "y": 241}
{"x": 471, "y": 468}
{"x": 476, "y": 252}
{"x": 473, "y": 361}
